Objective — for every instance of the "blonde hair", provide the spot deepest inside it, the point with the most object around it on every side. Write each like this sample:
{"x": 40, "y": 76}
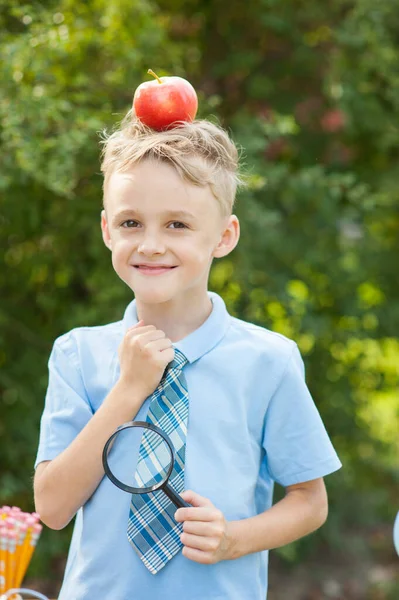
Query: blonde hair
{"x": 201, "y": 152}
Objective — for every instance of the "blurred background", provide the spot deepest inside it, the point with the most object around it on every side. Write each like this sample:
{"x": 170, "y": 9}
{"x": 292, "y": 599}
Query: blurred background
{"x": 310, "y": 91}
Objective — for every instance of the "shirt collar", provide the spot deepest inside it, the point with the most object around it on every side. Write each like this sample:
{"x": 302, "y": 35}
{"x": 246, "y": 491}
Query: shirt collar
{"x": 203, "y": 339}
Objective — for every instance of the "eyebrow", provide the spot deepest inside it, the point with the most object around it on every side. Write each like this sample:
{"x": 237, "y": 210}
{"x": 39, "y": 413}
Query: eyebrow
{"x": 170, "y": 214}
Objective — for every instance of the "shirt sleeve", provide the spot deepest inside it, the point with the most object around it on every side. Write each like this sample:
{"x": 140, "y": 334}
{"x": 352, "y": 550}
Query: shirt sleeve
{"x": 296, "y": 442}
{"x": 67, "y": 408}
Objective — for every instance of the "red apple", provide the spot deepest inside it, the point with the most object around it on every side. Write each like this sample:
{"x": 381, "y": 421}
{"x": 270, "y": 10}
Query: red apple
{"x": 162, "y": 102}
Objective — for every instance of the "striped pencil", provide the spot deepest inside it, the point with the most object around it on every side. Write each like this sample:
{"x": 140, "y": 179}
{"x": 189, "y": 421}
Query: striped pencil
{"x": 34, "y": 538}
{"x": 24, "y": 551}
{"x": 12, "y": 546}
{"x": 3, "y": 558}
{"x": 22, "y": 532}
{"x": 19, "y": 534}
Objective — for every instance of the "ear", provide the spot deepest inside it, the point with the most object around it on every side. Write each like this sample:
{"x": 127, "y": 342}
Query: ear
{"x": 229, "y": 238}
{"x": 105, "y": 230}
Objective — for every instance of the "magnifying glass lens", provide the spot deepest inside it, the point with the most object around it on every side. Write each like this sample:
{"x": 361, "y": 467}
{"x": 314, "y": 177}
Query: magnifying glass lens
{"x": 139, "y": 458}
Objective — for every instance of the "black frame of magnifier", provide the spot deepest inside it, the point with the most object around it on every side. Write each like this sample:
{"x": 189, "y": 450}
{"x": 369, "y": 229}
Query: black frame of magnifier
{"x": 164, "y": 484}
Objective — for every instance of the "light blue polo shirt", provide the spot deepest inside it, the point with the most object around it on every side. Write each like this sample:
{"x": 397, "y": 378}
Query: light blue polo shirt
{"x": 252, "y": 421}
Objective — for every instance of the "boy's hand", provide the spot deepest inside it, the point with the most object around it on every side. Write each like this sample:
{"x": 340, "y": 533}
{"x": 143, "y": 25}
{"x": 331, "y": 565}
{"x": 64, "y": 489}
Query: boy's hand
{"x": 144, "y": 354}
{"x": 206, "y": 533}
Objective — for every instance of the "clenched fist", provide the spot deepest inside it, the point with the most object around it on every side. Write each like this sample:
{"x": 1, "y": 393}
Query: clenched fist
{"x": 207, "y": 536}
{"x": 144, "y": 354}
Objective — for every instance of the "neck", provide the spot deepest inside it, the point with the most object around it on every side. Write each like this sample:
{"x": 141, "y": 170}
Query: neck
{"x": 176, "y": 318}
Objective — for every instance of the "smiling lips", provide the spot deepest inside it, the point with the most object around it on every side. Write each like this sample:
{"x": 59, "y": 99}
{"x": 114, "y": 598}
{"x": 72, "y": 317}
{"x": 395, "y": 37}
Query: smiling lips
{"x": 153, "y": 269}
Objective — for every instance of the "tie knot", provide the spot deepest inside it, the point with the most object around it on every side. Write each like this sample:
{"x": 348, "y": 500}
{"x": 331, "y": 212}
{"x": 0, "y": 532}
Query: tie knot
{"x": 179, "y": 360}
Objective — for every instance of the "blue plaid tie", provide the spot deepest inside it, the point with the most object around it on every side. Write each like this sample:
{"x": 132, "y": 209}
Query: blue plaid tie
{"x": 152, "y": 529}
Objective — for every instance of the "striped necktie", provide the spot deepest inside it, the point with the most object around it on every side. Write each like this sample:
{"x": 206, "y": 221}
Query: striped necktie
{"x": 152, "y": 529}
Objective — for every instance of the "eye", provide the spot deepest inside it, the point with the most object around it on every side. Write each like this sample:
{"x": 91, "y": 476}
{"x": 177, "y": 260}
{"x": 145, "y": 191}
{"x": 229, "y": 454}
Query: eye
{"x": 130, "y": 223}
{"x": 178, "y": 225}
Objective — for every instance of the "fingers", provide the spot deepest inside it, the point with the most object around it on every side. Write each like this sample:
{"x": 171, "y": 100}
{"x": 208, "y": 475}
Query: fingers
{"x": 199, "y": 542}
{"x": 151, "y": 336}
{"x": 199, "y": 556}
{"x": 204, "y": 536}
{"x": 136, "y": 326}
{"x": 141, "y": 331}
{"x": 206, "y": 513}
{"x": 195, "y": 499}
{"x": 203, "y": 509}
{"x": 161, "y": 344}
{"x": 144, "y": 353}
{"x": 146, "y": 336}
{"x": 167, "y": 356}
{"x": 199, "y": 528}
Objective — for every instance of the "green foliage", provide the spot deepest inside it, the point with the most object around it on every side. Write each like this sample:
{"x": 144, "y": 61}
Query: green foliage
{"x": 311, "y": 93}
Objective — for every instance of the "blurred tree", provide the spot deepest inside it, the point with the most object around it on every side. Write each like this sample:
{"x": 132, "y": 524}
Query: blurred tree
{"x": 311, "y": 93}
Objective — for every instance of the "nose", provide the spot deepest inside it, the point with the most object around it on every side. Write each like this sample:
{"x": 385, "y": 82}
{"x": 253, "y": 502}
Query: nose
{"x": 151, "y": 244}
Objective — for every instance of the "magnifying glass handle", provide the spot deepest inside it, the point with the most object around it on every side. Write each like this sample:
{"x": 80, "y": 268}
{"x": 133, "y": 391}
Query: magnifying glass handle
{"x": 176, "y": 498}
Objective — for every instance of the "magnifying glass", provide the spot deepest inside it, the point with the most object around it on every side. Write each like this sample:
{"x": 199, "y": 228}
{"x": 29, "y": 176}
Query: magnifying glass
{"x": 141, "y": 473}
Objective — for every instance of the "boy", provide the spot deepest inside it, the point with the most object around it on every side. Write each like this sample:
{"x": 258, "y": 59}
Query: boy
{"x": 168, "y": 200}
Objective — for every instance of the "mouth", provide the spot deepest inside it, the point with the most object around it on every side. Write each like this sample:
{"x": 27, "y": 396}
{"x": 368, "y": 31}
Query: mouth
{"x": 154, "y": 269}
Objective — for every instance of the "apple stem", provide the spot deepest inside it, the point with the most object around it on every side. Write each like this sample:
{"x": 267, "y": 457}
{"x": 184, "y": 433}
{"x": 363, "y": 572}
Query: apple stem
{"x": 151, "y": 72}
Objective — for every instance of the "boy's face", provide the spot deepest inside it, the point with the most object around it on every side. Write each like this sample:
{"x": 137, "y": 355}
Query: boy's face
{"x": 163, "y": 232}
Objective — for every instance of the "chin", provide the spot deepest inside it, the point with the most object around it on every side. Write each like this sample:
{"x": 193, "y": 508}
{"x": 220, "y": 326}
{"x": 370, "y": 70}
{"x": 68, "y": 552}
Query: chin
{"x": 152, "y": 296}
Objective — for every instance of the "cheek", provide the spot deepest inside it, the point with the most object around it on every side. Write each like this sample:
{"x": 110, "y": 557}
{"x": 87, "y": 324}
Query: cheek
{"x": 121, "y": 243}
{"x": 198, "y": 250}
{"x": 116, "y": 258}
{"x": 121, "y": 250}
{"x": 208, "y": 244}
{"x": 200, "y": 255}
